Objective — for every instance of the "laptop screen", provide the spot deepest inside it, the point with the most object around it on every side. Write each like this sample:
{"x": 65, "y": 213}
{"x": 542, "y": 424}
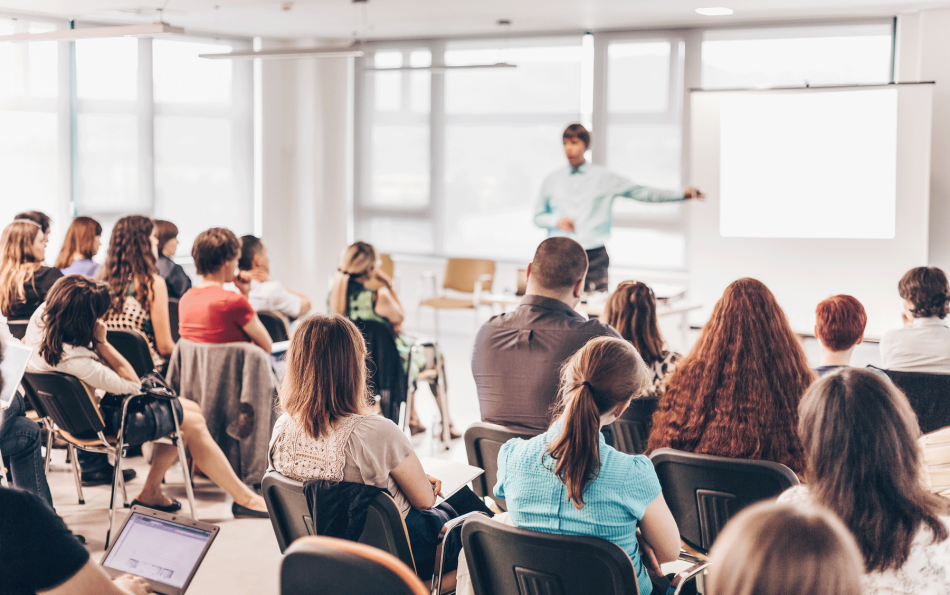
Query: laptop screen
{"x": 156, "y": 549}
{"x": 15, "y": 358}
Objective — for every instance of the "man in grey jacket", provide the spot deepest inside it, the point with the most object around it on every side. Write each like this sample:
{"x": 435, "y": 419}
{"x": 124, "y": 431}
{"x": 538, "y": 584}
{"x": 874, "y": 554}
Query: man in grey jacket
{"x": 518, "y": 355}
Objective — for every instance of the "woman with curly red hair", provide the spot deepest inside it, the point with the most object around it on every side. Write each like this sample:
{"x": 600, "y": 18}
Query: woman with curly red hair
{"x": 736, "y": 394}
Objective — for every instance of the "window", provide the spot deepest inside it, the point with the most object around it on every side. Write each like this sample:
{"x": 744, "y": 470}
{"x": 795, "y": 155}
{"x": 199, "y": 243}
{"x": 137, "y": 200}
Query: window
{"x": 829, "y": 55}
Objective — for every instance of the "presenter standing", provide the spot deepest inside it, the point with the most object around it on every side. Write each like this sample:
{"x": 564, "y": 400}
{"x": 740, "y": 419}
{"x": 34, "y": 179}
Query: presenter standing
{"x": 577, "y": 202}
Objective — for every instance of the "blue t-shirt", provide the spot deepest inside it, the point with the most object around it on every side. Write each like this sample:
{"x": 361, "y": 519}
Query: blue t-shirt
{"x": 82, "y": 266}
{"x": 615, "y": 500}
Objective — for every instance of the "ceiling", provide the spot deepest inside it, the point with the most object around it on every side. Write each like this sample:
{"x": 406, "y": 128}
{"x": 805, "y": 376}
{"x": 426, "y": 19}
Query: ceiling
{"x": 339, "y": 19}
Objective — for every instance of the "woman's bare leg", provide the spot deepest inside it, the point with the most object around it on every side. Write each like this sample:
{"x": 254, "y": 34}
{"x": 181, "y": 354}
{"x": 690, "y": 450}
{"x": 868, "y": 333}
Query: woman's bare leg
{"x": 163, "y": 455}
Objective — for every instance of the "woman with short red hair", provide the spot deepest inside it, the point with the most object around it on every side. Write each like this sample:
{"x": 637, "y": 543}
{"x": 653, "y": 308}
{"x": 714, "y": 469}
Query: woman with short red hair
{"x": 736, "y": 394}
{"x": 839, "y": 328}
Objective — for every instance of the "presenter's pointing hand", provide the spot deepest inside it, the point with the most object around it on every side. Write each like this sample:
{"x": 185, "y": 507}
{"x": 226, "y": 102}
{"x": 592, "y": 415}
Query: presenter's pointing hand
{"x": 693, "y": 193}
{"x": 565, "y": 223}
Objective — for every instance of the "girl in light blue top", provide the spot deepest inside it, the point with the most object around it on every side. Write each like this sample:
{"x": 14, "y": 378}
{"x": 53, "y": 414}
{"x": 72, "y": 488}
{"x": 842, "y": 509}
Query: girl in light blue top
{"x": 568, "y": 481}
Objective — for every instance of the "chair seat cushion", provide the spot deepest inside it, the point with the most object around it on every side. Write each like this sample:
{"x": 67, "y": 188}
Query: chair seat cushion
{"x": 446, "y": 303}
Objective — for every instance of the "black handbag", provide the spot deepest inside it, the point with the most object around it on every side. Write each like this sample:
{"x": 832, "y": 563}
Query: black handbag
{"x": 149, "y": 414}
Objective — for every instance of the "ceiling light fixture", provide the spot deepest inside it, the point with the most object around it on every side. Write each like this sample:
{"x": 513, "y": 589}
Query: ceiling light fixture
{"x": 152, "y": 30}
{"x": 289, "y": 54}
{"x": 444, "y": 68}
{"x": 715, "y": 11}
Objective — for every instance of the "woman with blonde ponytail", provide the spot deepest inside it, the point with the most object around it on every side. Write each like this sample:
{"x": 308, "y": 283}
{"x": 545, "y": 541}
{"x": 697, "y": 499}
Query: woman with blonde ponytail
{"x": 361, "y": 291}
{"x": 569, "y": 481}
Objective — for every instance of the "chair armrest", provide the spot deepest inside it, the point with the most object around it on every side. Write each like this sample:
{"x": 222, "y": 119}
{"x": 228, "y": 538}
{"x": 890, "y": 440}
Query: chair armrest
{"x": 450, "y": 526}
{"x": 676, "y": 585}
{"x": 429, "y": 278}
{"x": 480, "y": 287}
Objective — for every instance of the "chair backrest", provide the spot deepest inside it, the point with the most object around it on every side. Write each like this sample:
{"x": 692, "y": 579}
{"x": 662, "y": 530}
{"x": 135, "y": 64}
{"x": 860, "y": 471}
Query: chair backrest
{"x": 173, "y": 318}
{"x": 929, "y": 396}
{"x": 385, "y": 372}
{"x": 504, "y": 560}
{"x": 461, "y": 274}
{"x": 65, "y": 400}
{"x": 275, "y": 324}
{"x": 133, "y": 346}
{"x": 386, "y": 264}
{"x": 18, "y": 328}
{"x": 482, "y": 443}
{"x": 704, "y": 491}
{"x": 291, "y": 518}
{"x": 632, "y": 429}
{"x": 328, "y": 566}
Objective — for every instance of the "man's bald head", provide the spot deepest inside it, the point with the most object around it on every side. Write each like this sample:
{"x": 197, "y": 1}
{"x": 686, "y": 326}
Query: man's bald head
{"x": 559, "y": 264}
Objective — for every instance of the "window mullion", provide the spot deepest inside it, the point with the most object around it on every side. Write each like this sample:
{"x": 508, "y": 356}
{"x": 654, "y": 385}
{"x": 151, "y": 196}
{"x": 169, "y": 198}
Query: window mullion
{"x": 145, "y": 110}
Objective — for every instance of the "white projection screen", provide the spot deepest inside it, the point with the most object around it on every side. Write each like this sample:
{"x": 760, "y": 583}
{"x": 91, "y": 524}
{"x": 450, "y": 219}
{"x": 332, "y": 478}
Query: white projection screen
{"x": 815, "y": 192}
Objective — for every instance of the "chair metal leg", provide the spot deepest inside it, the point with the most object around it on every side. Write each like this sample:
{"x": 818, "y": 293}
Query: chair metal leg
{"x": 183, "y": 459}
{"x": 410, "y": 393}
{"x": 116, "y": 478}
{"x": 446, "y": 436}
{"x": 76, "y": 475}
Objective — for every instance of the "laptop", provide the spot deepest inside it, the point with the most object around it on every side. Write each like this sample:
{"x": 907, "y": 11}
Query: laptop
{"x": 163, "y": 548}
{"x": 16, "y": 356}
{"x": 453, "y": 475}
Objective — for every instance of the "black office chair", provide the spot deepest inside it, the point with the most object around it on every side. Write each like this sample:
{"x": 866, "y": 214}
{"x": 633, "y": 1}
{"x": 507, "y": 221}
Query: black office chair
{"x": 18, "y": 328}
{"x": 75, "y": 413}
{"x": 385, "y": 372}
{"x": 928, "y": 394}
{"x": 276, "y": 325}
{"x": 173, "y": 318}
{"x": 133, "y": 346}
{"x": 504, "y": 560}
{"x": 482, "y": 444}
{"x": 632, "y": 429}
{"x": 704, "y": 491}
{"x": 328, "y": 566}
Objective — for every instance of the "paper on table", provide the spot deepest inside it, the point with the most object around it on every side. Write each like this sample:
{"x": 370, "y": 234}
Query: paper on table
{"x": 453, "y": 475}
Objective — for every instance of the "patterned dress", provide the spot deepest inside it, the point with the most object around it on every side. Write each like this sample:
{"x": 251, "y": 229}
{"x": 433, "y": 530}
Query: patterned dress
{"x": 136, "y": 318}
{"x": 662, "y": 369}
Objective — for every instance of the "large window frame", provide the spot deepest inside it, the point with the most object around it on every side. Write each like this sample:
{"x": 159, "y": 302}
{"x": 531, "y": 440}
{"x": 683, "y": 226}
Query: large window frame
{"x": 685, "y": 74}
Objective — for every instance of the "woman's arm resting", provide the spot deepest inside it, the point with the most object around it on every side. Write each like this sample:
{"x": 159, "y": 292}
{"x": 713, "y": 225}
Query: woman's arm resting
{"x": 258, "y": 334}
{"x": 414, "y": 483}
{"x": 161, "y": 325}
{"x": 660, "y": 531}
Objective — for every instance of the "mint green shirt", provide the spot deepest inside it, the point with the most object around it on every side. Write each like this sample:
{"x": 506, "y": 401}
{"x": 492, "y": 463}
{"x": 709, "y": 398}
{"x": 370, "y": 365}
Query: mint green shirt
{"x": 586, "y": 194}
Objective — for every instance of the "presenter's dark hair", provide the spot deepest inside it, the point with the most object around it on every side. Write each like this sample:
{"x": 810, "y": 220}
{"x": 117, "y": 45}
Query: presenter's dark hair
{"x": 251, "y": 246}
{"x": 631, "y": 310}
{"x": 559, "y": 263}
{"x": 927, "y": 289}
{"x": 577, "y": 131}
{"x": 214, "y": 248}
{"x": 73, "y": 305}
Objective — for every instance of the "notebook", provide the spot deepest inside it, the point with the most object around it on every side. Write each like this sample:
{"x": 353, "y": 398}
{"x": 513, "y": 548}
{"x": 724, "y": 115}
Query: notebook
{"x": 16, "y": 356}
{"x": 165, "y": 549}
{"x": 454, "y": 476}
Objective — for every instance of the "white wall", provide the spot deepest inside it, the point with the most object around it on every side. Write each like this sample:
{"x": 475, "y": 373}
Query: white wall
{"x": 307, "y": 153}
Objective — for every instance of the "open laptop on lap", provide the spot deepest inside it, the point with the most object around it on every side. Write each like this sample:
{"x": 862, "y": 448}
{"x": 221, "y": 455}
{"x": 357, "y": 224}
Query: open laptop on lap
{"x": 163, "y": 548}
{"x": 16, "y": 356}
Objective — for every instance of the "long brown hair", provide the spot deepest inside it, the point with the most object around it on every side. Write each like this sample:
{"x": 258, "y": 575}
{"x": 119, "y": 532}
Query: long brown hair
{"x": 355, "y": 261}
{"x": 631, "y": 309}
{"x": 325, "y": 378}
{"x": 17, "y": 262}
{"x": 73, "y": 305}
{"x": 130, "y": 260}
{"x": 80, "y": 237}
{"x": 750, "y": 556}
{"x": 599, "y": 376}
{"x": 860, "y": 436}
{"x": 737, "y": 392}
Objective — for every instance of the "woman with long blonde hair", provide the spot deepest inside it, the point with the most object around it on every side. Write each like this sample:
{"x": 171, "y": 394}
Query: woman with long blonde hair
{"x": 24, "y": 281}
{"x": 362, "y": 291}
{"x": 81, "y": 244}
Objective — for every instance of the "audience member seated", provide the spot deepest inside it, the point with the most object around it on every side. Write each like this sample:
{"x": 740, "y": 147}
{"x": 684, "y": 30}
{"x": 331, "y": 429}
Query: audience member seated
{"x": 208, "y": 313}
{"x": 736, "y": 394}
{"x": 631, "y": 310}
{"x": 139, "y": 294}
{"x": 839, "y": 328}
{"x": 177, "y": 281}
{"x": 569, "y": 481}
{"x": 266, "y": 293}
{"x": 38, "y": 217}
{"x": 923, "y": 345}
{"x": 860, "y": 436}
{"x": 327, "y": 432}
{"x": 20, "y": 442}
{"x": 40, "y": 555}
{"x": 518, "y": 354}
{"x": 81, "y": 244}
{"x": 362, "y": 291}
{"x": 61, "y": 333}
{"x": 24, "y": 280}
{"x": 777, "y": 549}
